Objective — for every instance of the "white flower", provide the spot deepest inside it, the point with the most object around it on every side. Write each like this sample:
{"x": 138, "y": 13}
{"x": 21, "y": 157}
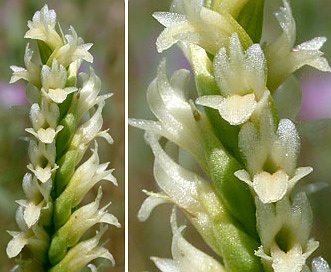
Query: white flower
{"x": 42, "y": 173}
{"x": 89, "y": 130}
{"x": 79, "y": 222}
{"x": 176, "y": 120}
{"x": 85, "y": 177}
{"x": 44, "y": 120}
{"x": 270, "y": 157}
{"x": 47, "y": 135}
{"x": 36, "y": 238}
{"x": 180, "y": 185}
{"x": 185, "y": 256}
{"x": 39, "y": 152}
{"x": 284, "y": 229}
{"x": 42, "y": 27}
{"x": 198, "y": 25}
{"x": 272, "y": 187}
{"x": 292, "y": 260}
{"x": 197, "y": 198}
{"x": 88, "y": 93}
{"x": 283, "y": 58}
{"x": 31, "y": 73}
{"x": 53, "y": 81}
{"x": 38, "y": 199}
{"x": 74, "y": 49}
{"x": 44, "y": 115}
{"x": 239, "y": 97}
{"x": 83, "y": 253}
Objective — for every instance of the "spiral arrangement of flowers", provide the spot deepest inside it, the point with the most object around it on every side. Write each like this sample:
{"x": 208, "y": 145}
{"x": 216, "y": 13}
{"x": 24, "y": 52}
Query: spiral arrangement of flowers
{"x": 235, "y": 127}
{"x": 66, "y": 118}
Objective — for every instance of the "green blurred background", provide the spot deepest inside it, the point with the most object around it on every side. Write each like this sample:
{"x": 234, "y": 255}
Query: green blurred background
{"x": 153, "y": 237}
{"x": 102, "y": 23}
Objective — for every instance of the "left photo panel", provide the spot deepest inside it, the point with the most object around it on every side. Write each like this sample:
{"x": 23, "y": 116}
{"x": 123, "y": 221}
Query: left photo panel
{"x": 62, "y": 136}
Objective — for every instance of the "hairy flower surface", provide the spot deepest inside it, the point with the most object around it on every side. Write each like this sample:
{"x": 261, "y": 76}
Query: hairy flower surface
{"x": 66, "y": 116}
{"x": 239, "y": 97}
{"x": 240, "y": 128}
{"x": 194, "y": 23}
{"x": 284, "y": 58}
{"x": 185, "y": 256}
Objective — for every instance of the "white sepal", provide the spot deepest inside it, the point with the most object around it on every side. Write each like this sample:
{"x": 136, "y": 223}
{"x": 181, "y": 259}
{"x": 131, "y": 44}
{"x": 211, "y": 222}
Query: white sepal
{"x": 185, "y": 256}
{"x": 198, "y": 25}
{"x": 42, "y": 27}
{"x": 31, "y": 73}
{"x": 152, "y": 201}
{"x": 320, "y": 265}
{"x": 284, "y": 59}
{"x": 83, "y": 253}
{"x": 74, "y": 49}
{"x": 176, "y": 122}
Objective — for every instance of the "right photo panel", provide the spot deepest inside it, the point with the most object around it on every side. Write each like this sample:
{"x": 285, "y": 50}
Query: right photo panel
{"x": 229, "y": 135}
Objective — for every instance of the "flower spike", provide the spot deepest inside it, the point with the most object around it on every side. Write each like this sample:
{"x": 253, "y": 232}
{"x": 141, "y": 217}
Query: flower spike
{"x": 51, "y": 219}
{"x": 244, "y": 199}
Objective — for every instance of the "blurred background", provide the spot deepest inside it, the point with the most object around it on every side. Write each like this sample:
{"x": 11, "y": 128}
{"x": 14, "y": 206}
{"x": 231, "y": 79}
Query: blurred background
{"x": 101, "y": 23}
{"x": 153, "y": 237}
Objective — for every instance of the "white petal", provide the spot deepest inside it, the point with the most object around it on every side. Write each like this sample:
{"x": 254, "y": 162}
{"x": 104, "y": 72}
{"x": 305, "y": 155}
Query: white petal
{"x": 320, "y": 265}
{"x": 314, "y": 44}
{"x": 237, "y": 109}
{"x": 286, "y": 148}
{"x": 16, "y": 245}
{"x": 190, "y": 258}
{"x": 57, "y": 95}
{"x": 166, "y": 265}
{"x": 83, "y": 253}
{"x": 211, "y": 101}
{"x": 244, "y": 176}
{"x": 293, "y": 260}
{"x": 32, "y": 213}
{"x": 46, "y": 135}
{"x": 300, "y": 173}
{"x": 19, "y": 73}
{"x": 270, "y": 187}
{"x": 43, "y": 174}
{"x": 168, "y": 18}
{"x": 149, "y": 204}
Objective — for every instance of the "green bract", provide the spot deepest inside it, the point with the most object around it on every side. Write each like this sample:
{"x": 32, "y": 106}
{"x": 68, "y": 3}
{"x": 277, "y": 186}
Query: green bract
{"x": 242, "y": 133}
{"x": 50, "y": 219}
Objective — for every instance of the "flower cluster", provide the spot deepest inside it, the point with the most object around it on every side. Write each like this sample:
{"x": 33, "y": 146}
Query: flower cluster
{"x": 242, "y": 138}
{"x": 66, "y": 116}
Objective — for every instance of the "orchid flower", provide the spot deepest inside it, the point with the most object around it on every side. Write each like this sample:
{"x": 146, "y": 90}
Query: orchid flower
{"x": 52, "y": 220}
{"x": 244, "y": 200}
